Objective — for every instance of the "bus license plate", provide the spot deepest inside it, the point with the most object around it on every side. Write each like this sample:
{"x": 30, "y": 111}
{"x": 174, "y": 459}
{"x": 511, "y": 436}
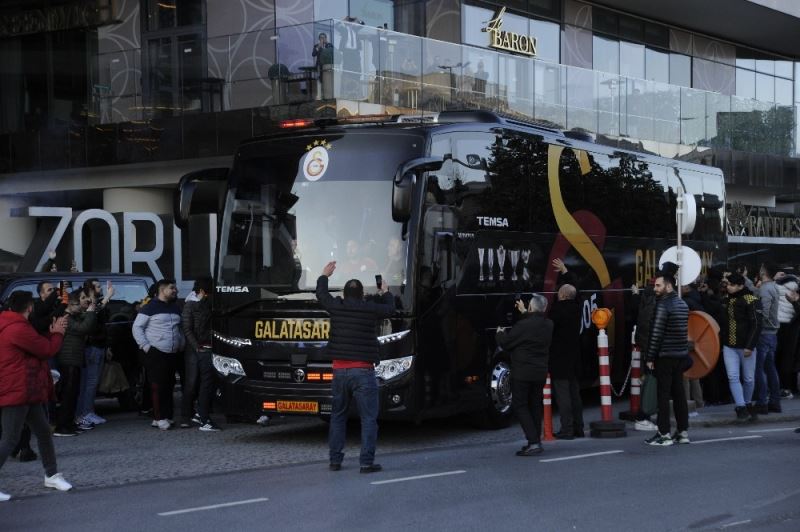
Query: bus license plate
{"x": 301, "y": 407}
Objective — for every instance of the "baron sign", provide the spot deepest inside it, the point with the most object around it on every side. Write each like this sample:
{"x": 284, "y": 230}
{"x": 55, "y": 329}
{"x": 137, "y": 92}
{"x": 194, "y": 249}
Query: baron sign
{"x": 507, "y": 40}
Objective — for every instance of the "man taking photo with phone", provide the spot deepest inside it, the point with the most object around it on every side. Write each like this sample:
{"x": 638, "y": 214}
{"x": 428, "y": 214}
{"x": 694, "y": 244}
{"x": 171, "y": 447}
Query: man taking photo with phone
{"x": 353, "y": 346}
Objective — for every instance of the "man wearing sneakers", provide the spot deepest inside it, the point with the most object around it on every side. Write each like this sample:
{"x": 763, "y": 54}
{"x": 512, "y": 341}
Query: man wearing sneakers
{"x": 353, "y": 346}
{"x": 667, "y": 350}
{"x": 26, "y": 385}
{"x": 157, "y": 331}
{"x": 200, "y": 373}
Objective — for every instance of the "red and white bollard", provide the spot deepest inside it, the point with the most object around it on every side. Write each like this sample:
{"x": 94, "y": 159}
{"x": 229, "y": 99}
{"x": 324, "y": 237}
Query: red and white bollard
{"x": 636, "y": 378}
{"x": 605, "y": 376}
{"x": 606, "y": 428}
{"x": 547, "y": 401}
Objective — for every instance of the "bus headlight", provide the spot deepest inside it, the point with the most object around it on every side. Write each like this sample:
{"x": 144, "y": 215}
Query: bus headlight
{"x": 393, "y": 367}
{"x": 233, "y": 340}
{"x": 227, "y": 365}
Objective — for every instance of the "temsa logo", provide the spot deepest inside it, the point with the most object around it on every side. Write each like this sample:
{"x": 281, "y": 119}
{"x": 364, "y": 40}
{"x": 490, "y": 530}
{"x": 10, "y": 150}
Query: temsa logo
{"x": 492, "y": 221}
{"x": 229, "y": 289}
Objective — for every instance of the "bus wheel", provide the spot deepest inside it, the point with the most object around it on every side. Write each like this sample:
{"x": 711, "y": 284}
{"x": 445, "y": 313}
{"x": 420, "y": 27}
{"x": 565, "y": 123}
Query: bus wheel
{"x": 497, "y": 414}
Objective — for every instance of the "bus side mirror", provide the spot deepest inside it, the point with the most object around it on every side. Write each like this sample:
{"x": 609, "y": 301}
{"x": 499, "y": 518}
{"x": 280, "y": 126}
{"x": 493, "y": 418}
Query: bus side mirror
{"x": 403, "y": 187}
{"x": 201, "y": 192}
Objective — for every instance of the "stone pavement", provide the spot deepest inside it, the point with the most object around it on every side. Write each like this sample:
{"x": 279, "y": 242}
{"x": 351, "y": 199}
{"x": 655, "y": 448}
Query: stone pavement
{"x": 127, "y": 449}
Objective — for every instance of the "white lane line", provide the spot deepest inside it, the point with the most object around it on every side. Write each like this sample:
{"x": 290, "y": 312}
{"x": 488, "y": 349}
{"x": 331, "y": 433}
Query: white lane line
{"x": 418, "y": 477}
{"x": 695, "y": 442}
{"x": 737, "y": 523}
{"x": 575, "y": 457}
{"x": 212, "y": 507}
{"x": 772, "y": 430}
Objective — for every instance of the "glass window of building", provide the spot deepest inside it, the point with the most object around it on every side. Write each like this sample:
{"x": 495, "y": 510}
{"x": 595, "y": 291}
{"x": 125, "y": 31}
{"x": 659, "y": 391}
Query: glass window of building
{"x": 375, "y": 13}
{"x": 605, "y": 21}
{"x": 168, "y": 14}
{"x": 766, "y": 66}
{"x": 475, "y": 18}
{"x": 656, "y": 66}
{"x": 656, "y": 35}
{"x": 783, "y": 69}
{"x": 547, "y": 36}
{"x": 330, "y": 9}
{"x": 797, "y": 82}
{"x": 745, "y": 83}
{"x": 680, "y": 70}
{"x": 765, "y": 88}
{"x": 605, "y": 54}
{"x": 631, "y": 29}
{"x": 631, "y": 60}
{"x": 783, "y": 91}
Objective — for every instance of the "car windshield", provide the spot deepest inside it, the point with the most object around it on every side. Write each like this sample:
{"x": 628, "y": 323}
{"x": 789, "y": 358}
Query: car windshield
{"x": 311, "y": 201}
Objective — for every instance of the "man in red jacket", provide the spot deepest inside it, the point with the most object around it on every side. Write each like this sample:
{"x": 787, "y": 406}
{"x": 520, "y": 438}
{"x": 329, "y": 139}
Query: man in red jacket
{"x": 25, "y": 383}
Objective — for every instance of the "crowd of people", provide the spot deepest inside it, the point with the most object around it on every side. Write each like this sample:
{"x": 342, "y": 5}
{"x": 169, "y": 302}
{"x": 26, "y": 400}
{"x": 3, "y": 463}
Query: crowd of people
{"x": 53, "y": 348}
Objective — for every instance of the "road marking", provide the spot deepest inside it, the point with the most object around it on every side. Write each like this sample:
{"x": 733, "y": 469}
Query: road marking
{"x": 771, "y": 430}
{"x": 737, "y": 523}
{"x": 575, "y": 457}
{"x": 418, "y": 477}
{"x": 695, "y": 442}
{"x": 212, "y": 507}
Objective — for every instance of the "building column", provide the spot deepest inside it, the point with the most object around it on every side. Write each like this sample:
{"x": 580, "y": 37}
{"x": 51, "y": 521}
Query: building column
{"x": 18, "y": 231}
{"x": 155, "y": 200}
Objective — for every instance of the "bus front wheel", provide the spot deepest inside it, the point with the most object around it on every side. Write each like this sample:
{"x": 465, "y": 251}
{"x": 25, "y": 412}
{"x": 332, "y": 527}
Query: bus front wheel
{"x": 497, "y": 412}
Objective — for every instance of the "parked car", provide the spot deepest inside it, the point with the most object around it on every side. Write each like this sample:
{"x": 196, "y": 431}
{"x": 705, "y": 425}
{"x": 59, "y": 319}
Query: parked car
{"x": 129, "y": 291}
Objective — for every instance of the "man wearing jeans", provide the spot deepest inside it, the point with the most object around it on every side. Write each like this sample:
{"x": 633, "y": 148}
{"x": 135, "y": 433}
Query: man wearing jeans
{"x": 739, "y": 333}
{"x": 95, "y": 354}
{"x": 353, "y": 346}
{"x": 666, "y": 355}
{"x": 26, "y": 385}
{"x": 768, "y": 386}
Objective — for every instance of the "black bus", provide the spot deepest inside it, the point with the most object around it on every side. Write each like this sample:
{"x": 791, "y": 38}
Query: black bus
{"x": 461, "y": 213}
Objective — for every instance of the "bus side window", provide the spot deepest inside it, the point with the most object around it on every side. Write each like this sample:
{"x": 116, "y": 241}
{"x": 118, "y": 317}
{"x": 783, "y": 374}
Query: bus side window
{"x": 439, "y": 229}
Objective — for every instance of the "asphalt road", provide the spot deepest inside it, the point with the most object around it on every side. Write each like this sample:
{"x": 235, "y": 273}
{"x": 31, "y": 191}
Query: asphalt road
{"x": 743, "y": 478}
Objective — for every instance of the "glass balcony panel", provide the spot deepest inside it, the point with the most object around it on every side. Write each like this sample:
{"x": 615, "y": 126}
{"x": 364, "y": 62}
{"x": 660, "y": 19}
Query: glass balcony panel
{"x": 608, "y": 103}
{"x": 400, "y": 71}
{"x": 116, "y": 87}
{"x": 439, "y": 73}
{"x": 716, "y": 105}
{"x": 249, "y": 93}
{"x": 550, "y": 94}
{"x": 666, "y": 112}
{"x": 356, "y": 61}
{"x": 639, "y": 101}
{"x": 251, "y": 56}
{"x": 515, "y": 88}
{"x": 693, "y": 116}
{"x": 580, "y": 99}
{"x": 479, "y": 73}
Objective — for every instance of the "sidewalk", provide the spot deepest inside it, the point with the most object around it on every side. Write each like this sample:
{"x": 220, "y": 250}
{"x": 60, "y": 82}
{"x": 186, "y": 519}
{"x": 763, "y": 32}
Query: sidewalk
{"x": 709, "y": 416}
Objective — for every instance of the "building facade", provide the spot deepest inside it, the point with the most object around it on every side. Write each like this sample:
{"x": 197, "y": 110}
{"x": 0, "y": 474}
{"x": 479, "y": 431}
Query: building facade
{"x": 104, "y": 104}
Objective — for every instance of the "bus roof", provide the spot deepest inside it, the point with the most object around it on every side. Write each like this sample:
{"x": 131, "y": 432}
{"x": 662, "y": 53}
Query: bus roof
{"x": 456, "y": 120}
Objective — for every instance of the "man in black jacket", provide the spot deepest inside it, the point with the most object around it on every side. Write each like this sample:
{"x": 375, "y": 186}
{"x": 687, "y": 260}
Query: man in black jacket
{"x": 353, "y": 346}
{"x": 200, "y": 374}
{"x": 565, "y": 353}
{"x": 739, "y": 331}
{"x": 667, "y": 350}
{"x": 528, "y": 341}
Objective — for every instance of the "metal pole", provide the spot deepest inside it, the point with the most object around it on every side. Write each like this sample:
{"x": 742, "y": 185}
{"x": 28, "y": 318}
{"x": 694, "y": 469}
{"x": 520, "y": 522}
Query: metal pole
{"x": 679, "y": 253}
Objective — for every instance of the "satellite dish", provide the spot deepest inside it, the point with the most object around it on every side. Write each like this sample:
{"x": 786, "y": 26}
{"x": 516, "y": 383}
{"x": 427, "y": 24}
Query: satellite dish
{"x": 689, "y": 214}
{"x": 691, "y": 267}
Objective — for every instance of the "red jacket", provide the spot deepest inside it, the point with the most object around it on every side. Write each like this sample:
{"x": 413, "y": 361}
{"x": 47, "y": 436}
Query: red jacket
{"x": 24, "y": 373}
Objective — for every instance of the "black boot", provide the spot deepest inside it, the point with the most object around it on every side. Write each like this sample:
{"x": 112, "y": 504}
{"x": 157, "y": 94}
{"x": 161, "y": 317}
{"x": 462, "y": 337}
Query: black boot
{"x": 741, "y": 414}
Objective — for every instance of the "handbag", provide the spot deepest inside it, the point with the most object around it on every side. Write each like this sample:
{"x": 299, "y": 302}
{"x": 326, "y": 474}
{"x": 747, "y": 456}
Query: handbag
{"x": 649, "y": 395}
{"x": 113, "y": 379}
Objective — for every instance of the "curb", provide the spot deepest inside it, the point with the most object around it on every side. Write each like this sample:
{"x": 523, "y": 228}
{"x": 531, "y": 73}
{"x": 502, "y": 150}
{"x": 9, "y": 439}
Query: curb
{"x": 731, "y": 420}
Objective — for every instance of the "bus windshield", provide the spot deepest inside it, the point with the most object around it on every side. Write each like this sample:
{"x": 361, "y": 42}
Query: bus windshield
{"x": 296, "y": 204}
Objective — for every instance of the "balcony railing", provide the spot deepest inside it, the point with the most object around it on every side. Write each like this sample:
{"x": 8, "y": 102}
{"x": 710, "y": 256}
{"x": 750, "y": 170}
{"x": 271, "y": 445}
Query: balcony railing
{"x": 251, "y": 78}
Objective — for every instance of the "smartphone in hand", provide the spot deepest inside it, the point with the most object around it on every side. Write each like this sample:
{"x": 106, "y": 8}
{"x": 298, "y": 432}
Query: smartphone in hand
{"x": 378, "y": 281}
